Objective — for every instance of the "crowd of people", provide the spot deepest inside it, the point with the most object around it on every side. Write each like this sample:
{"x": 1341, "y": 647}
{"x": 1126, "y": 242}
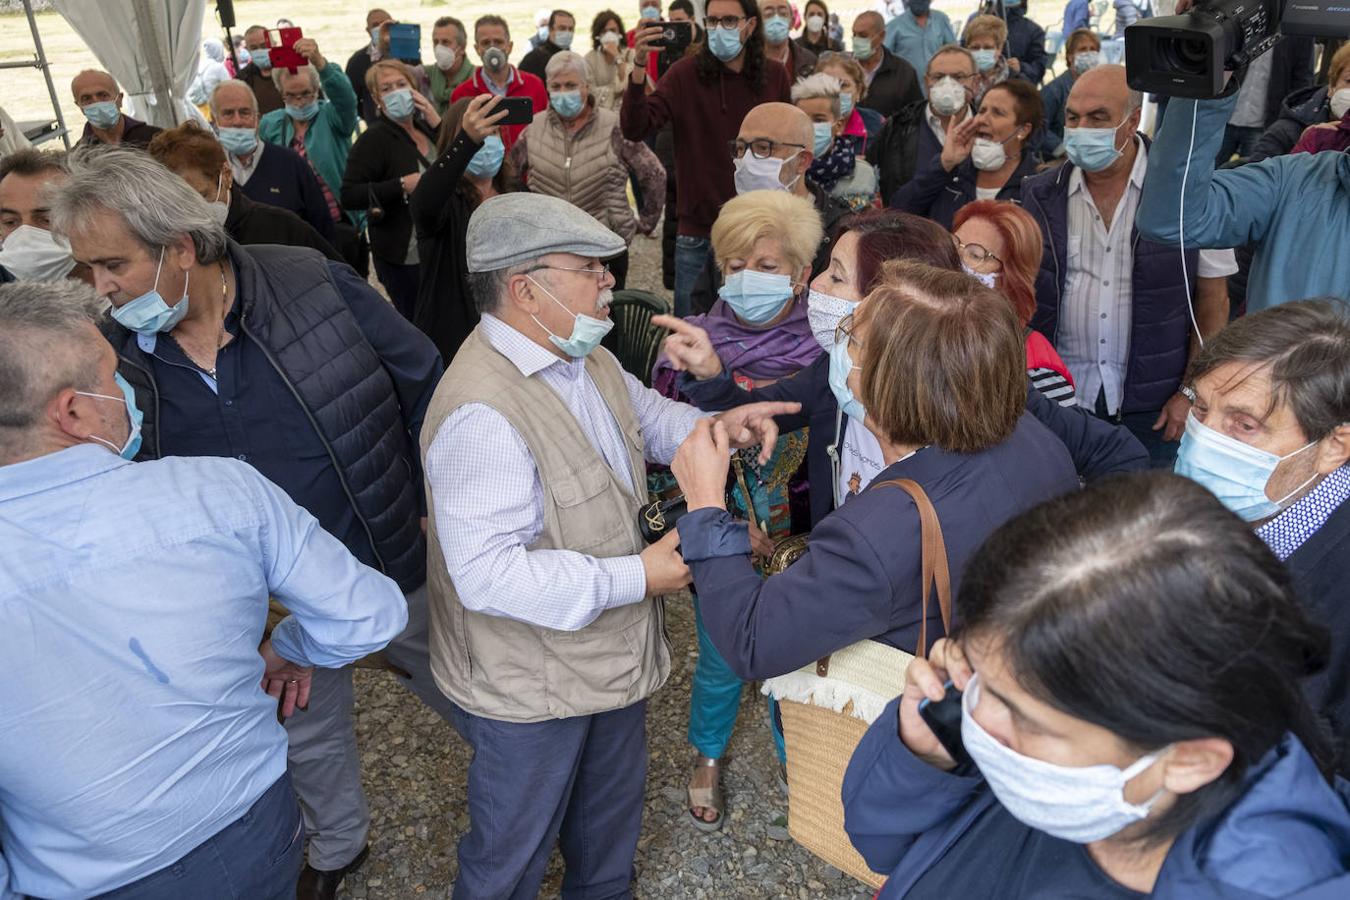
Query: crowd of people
{"x": 332, "y": 365}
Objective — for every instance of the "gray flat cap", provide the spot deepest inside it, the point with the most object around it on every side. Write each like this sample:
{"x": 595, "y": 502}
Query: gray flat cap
{"x": 509, "y": 229}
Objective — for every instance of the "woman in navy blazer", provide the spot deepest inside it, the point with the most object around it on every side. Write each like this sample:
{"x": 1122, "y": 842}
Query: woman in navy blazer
{"x": 858, "y": 251}
{"x": 936, "y": 361}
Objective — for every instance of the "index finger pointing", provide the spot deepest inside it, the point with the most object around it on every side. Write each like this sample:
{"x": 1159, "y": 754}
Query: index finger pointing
{"x": 675, "y": 324}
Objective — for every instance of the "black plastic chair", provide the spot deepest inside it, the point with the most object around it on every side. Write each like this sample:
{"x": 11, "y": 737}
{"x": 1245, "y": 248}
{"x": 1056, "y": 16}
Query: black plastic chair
{"x": 634, "y": 340}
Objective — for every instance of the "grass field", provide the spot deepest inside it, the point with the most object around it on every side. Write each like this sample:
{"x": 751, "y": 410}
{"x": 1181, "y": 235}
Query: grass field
{"x": 338, "y": 25}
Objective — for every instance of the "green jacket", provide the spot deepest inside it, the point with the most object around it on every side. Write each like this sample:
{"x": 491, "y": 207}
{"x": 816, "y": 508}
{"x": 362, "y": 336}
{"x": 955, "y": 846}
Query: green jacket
{"x": 443, "y": 84}
{"x": 329, "y": 137}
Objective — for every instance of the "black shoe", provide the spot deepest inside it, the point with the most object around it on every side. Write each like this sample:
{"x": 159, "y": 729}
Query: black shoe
{"x": 316, "y": 884}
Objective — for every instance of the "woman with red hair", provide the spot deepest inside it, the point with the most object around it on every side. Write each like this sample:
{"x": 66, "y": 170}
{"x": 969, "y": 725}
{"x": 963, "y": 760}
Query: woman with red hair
{"x": 1000, "y": 244}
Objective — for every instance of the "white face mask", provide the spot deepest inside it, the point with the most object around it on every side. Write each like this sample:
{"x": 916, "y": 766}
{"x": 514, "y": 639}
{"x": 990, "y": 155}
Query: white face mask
{"x": 445, "y": 57}
{"x": 989, "y": 155}
{"x": 947, "y": 96}
{"x": 814, "y": 24}
{"x": 988, "y": 279}
{"x": 35, "y": 254}
{"x": 220, "y": 207}
{"x": 754, "y": 174}
{"x": 1340, "y": 102}
{"x": 1074, "y": 803}
{"x": 823, "y": 313}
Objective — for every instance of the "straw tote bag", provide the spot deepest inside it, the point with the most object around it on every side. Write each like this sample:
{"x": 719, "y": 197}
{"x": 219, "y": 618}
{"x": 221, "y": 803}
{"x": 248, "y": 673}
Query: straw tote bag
{"x": 828, "y": 705}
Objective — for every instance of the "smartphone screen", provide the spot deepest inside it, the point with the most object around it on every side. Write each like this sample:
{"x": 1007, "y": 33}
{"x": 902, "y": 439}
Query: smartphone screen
{"x": 520, "y": 110}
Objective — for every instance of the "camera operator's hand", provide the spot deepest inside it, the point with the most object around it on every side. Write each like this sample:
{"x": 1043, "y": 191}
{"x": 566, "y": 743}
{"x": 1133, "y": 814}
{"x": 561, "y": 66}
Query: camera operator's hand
{"x": 960, "y": 141}
{"x": 642, "y": 46}
{"x": 927, "y": 678}
{"x": 309, "y": 49}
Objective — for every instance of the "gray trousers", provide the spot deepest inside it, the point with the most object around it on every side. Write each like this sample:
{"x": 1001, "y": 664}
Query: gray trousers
{"x": 323, "y": 759}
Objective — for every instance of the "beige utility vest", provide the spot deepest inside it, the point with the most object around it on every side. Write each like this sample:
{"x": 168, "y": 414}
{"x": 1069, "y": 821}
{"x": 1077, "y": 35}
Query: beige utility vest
{"x": 506, "y": 669}
{"x": 582, "y": 168}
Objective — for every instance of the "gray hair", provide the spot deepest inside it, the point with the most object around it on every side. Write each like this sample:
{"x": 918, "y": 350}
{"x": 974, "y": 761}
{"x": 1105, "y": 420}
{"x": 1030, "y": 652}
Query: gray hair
{"x": 158, "y": 206}
{"x": 951, "y": 48}
{"x": 565, "y": 59}
{"x": 280, "y": 72}
{"x": 1305, "y": 348}
{"x": 489, "y": 288}
{"x": 231, "y": 83}
{"x": 43, "y": 350}
{"x": 821, "y": 86}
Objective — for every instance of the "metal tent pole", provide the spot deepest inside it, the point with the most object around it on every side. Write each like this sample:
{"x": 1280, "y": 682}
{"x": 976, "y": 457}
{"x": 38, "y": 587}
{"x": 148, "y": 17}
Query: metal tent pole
{"x": 40, "y": 62}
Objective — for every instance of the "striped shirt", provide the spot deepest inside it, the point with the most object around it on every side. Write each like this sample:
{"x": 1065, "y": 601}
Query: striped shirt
{"x": 1095, "y": 322}
{"x": 489, "y": 498}
{"x": 334, "y": 211}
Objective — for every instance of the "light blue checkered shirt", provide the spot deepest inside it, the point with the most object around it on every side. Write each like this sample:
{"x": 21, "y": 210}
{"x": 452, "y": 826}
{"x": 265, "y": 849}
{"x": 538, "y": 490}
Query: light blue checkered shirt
{"x": 484, "y": 480}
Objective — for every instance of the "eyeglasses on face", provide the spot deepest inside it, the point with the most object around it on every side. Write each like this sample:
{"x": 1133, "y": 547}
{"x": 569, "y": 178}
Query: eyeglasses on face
{"x": 844, "y": 332}
{"x": 599, "y": 273}
{"x": 760, "y": 148}
{"x": 728, "y": 22}
{"x": 974, "y": 254}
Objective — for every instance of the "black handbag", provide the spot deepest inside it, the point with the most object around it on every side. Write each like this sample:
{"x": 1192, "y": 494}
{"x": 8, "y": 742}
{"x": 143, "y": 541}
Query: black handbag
{"x": 658, "y": 518}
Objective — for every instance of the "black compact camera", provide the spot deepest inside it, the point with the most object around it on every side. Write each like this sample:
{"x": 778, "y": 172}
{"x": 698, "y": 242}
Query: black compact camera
{"x": 1187, "y": 55}
{"x": 674, "y": 35}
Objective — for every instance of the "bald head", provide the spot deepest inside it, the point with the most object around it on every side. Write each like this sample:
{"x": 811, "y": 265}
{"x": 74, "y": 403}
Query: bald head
{"x": 94, "y": 86}
{"x": 871, "y": 20}
{"x": 375, "y": 17}
{"x": 781, "y": 123}
{"x": 1105, "y": 86}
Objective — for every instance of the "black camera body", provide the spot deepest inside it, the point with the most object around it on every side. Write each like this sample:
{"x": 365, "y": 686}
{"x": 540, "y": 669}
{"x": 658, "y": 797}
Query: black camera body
{"x": 1187, "y": 55}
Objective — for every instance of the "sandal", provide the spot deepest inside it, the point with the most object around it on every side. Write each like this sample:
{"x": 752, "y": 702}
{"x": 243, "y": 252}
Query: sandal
{"x": 706, "y": 797}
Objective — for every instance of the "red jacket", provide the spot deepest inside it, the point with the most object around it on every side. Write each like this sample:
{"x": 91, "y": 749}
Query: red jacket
{"x": 1317, "y": 139}
{"x": 706, "y": 118}
{"x": 522, "y": 84}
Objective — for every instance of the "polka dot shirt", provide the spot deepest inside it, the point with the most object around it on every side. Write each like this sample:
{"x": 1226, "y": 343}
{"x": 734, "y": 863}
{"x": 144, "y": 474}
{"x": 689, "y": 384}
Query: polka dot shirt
{"x": 1290, "y": 529}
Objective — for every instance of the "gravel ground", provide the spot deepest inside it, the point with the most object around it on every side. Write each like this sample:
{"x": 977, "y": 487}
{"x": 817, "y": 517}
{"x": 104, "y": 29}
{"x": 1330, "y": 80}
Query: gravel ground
{"x": 415, "y": 765}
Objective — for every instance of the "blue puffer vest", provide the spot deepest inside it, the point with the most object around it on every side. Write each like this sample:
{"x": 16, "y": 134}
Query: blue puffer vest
{"x": 1160, "y": 320}
{"x": 292, "y": 309}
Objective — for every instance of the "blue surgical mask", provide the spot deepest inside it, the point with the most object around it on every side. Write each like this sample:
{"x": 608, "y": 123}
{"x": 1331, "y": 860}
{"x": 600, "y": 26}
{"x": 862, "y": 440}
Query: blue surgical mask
{"x": 840, "y": 367}
{"x": 587, "y": 331}
{"x": 725, "y": 43}
{"x": 985, "y": 59}
{"x": 1091, "y": 149}
{"x": 134, "y": 416}
{"x": 398, "y": 105}
{"x": 304, "y": 113}
{"x": 756, "y": 296}
{"x": 651, "y": 13}
{"x": 487, "y": 162}
{"x": 103, "y": 114}
{"x": 375, "y": 36}
{"x": 567, "y": 104}
{"x": 845, "y": 104}
{"x": 563, "y": 39}
{"x": 824, "y": 132}
{"x": 148, "y": 313}
{"x": 776, "y": 29}
{"x": 261, "y": 57}
{"x": 542, "y": 33}
{"x": 862, "y": 48}
{"x": 238, "y": 141}
{"x": 1235, "y": 472}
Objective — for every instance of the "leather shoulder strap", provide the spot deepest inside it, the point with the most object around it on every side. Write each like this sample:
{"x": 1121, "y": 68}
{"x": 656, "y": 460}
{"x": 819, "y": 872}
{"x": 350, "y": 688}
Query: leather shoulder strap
{"x": 934, "y": 559}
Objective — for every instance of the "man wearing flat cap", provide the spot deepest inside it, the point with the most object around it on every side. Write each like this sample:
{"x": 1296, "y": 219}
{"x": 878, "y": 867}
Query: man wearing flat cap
{"x": 547, "y": 625}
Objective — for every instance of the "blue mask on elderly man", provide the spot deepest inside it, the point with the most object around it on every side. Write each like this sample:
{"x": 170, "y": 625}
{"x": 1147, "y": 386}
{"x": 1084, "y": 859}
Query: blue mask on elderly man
{"x": 303, "y": 113}
{"x": 756, "y": 296}
{"x": 587, "y": 331}
{"x": 1234, "y": 472}
{"x": 134, "y": 416}
{"x": 148, "y": 313}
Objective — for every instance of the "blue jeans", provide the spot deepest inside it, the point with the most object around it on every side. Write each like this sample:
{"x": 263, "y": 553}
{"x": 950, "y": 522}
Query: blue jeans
{"x": 577, "y": 783}
{"x": 1161, "y": 454}
{"x": 715, "y": 699}
{"x": 257, "y": 856}
{"x": 692, "y": 256}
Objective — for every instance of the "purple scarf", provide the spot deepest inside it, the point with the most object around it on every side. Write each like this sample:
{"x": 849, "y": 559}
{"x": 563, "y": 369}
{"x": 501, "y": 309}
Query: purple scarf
{"x": 758, "y": 353}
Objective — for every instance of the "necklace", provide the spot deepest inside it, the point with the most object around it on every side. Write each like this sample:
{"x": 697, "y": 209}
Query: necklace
{"x": 220, "y": 334}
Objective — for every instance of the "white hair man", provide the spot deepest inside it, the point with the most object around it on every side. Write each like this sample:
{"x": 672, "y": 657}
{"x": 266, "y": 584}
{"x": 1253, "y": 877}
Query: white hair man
{"x": 132, "y": 607}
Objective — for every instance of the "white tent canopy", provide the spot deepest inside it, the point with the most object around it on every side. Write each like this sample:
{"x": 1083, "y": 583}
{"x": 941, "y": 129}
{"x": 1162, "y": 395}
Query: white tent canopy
{"x": 149, "y": 46}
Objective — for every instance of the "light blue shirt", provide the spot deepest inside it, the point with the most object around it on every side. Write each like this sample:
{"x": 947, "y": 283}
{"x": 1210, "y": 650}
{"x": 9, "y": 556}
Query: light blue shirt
{"x": 132, "y": 601}
{"x": 916, "y": 44}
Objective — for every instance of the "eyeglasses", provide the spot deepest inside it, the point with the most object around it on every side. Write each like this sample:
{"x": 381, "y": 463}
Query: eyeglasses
{"x": 303, "y": 97}
{"x": 599, "y": 273}
{"x": 974, "y": 254}
{"x": 711, "y": 22}
{"x": 935, "y": 77}
{"x": 844, "y": 332}
{"x": 760, "y": 148}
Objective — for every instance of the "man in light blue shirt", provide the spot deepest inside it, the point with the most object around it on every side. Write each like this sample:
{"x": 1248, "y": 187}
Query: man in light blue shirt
{"x": 143, "y": 753}
{"x": 916, "y": 35}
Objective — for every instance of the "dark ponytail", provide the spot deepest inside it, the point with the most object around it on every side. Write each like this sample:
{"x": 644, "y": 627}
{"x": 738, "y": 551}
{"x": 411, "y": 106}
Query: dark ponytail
{"x": 1143, "y": 606}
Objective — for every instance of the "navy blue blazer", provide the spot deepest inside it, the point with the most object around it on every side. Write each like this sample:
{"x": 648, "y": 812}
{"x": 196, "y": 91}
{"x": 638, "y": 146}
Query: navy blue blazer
{"x": 860, "y": 576}
{"x": 1098, "y": 448}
